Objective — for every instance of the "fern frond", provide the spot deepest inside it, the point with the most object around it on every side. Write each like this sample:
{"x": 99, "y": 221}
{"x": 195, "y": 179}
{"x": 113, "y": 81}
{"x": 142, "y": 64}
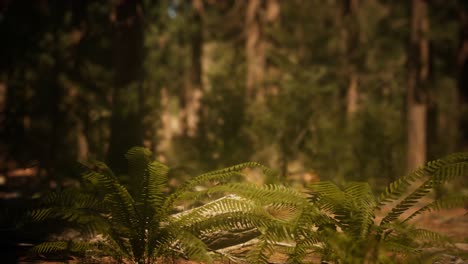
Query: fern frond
{"x": 451, "y": 172}
{"x": 86, "y": 213}
{"x": 362, "y": 207}
{"x": 119, "y": 241}
{"x": 95, "y": 166}
{"x": 118, "y": 200}
{"x": 157, "y": 182}
{"x": 400, "y": 248}
{"x": 446, "y": 169}
{"x": 327, "y": 196}
{"x": 261, "y": 252}
{"x": 227, "y": 204}
{"x": 216, "y": 175}
{"x": 269, "y": 194}
{"x": 138, "y": 159}
{"x": 122, "y": 207}
{"x": 236, "y": 220}
{"x": 41, "y": 214}
{"x": 150, "y": 176}
{"x": 71, "y": 197}
{"x": 297, "y": 253}
{"x": 454, "y": 165}
{"x": 306, "y": 241}
{"x": 110, "y": 248}
{"x": 49, "y": 247}
{"x": 160, "y": 239}
{"x": 220, "y": 174}
{"x": 427, "y": 237}
{"x": 193, "y": 247}
{"x": 411, "y": 200}
{"x": 439, "y": 204}
{"x": 71, "y": 246}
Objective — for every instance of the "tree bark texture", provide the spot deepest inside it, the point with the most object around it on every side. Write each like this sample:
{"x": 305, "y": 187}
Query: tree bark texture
{"x": 255, "y": 53}
{"x": 463, "y": 76}
{"x": 126, "y": 128}
{"x": 351, "y": 42}
{"x": 418, "y": 73}
{"x": 194, "y": 89}
{"x": 258, "y": 14}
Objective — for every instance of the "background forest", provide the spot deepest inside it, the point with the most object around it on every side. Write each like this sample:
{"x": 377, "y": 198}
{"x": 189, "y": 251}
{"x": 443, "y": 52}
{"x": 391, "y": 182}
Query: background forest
{"x": 329, "y": 89}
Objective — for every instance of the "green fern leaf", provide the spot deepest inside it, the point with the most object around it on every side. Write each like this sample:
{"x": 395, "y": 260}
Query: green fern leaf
{"x": 443, "y": 203}
{"x": 454, "y": 165}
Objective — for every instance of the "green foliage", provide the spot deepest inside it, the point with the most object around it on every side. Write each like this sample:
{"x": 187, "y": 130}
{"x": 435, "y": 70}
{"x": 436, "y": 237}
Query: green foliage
{"x": 340, "y": 224}
{"x": 354, "y": 234}
{"x": 138, "y": 223}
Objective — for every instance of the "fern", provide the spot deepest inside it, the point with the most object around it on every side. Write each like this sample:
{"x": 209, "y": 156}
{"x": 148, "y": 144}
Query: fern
{"x": 437, "y": 172}
{"x": 136, "y": 220}
{"x": 262, "y": 250}
{"x": 353, "y": 208}
{"x": 337, "y": 223}
{"x": 454, "y": 201}
{"x": 221, "y": 175}
{"x": 454, "y": 165}
{"x": 70, "y": 246}
{"x": 132, "y": 223}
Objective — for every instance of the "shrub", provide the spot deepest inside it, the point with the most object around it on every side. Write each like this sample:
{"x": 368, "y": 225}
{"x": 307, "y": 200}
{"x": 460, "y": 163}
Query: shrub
{"x": 353, "y": 234}
{"x": 140, "y": 226}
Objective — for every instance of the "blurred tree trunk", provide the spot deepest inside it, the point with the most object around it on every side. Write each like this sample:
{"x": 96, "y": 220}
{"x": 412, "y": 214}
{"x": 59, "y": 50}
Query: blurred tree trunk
{"x": 3, "y": 126}
{"x": 166, "y": 132}
{"x": 254, "y": 49}
{"x": 351, "y": 44}
{"x": 79, "y": 9}
{"x": 418, "y": 73}
{"x": 126, "y": 128}
{"x": 258, "y": 14}
{"x": 194, "y": 89}
{"x": 463, "y": 76}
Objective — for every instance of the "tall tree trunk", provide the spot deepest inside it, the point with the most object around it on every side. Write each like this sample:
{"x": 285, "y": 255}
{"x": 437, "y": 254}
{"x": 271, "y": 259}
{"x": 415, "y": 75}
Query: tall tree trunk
{"x": 352, "y": 96}
{"x": 164, "y": 133}
{"x": 3, "y": 126}
{"x": 126, "y": 128}
{"x": 418, "y": 73}
{"x": 194, "y": 89}
{"x": 351, "y": 41}
{"x": 254, "y": 49}
{"x": 463, "y": 76}
{"x": 258, "y": 14}
{"x": 79, "y": 9}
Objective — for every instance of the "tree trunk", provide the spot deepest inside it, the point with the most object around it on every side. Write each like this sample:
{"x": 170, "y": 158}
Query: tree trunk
{"x": 258, "y": 14}
{"x": 254, "y": 48}
{"x": 351, "y": 42}
{"x": 193, "y": 90}
{"x": 3, "y": 134}
{"x": 352, "y": 96}
{"x": 418, "y": 73}
{"x": 126, "y": 128}
{"x": 168, "y": 128}
{"x": 79, "y": 9}
{"x": 463, "y": 77}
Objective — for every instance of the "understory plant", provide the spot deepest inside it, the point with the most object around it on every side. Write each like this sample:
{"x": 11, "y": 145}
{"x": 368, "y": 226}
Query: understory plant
{"x": 143, "y": 225}
{"x": 364, "y": 228}
{"x": 347, "y": 224}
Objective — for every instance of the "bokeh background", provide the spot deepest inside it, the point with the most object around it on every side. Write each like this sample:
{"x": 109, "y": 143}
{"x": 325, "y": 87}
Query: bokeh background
{"x": 316, "y": 89}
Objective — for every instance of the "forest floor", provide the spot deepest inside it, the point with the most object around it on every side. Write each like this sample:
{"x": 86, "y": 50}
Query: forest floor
{"x": 452, "y": 222}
